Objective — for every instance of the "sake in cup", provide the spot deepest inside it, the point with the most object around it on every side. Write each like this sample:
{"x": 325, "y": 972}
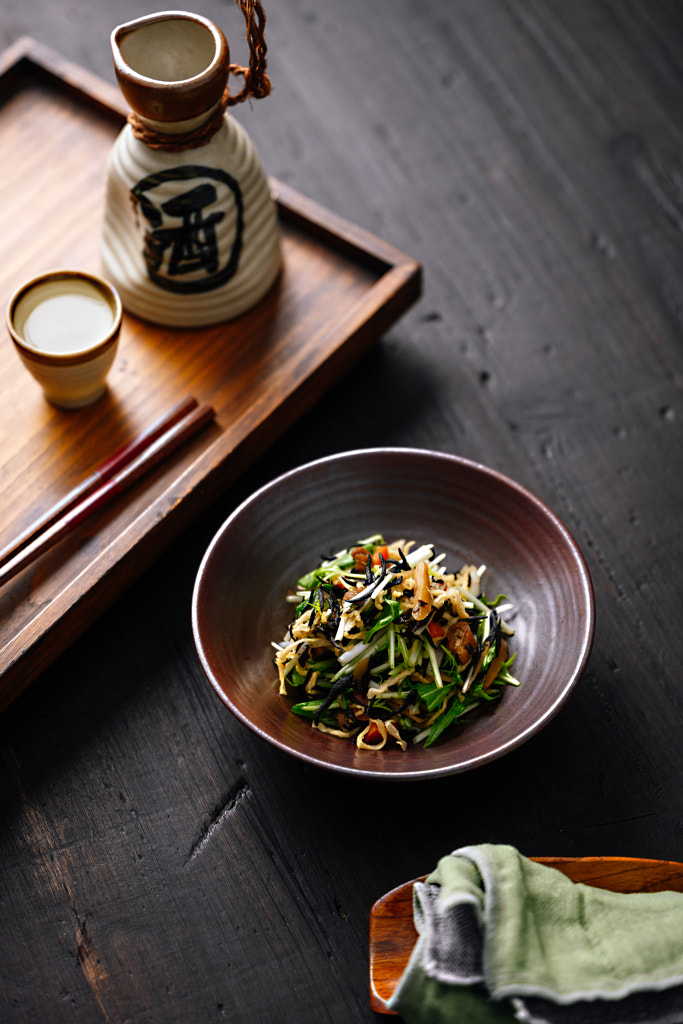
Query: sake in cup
{"x": 65, "y": 327}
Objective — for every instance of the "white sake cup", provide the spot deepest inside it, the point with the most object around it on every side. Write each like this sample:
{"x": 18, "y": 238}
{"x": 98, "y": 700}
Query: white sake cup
{"x": 65, "y": 326}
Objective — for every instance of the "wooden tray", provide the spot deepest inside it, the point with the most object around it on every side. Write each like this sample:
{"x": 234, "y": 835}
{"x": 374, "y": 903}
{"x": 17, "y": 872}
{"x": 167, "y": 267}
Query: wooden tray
{"x": 393, "y": 936}
{"x": 341, "y": 288}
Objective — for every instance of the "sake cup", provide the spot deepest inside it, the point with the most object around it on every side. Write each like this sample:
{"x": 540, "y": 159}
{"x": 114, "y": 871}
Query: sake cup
{"x": 65, "y": 327}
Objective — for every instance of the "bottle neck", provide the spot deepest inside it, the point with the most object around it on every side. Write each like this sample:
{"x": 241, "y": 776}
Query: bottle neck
{"x": 176, "y": 136}
{"x": 192, "y": 124}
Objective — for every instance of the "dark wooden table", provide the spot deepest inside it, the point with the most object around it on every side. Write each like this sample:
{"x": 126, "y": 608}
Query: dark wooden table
{"x": 161, "y": 863}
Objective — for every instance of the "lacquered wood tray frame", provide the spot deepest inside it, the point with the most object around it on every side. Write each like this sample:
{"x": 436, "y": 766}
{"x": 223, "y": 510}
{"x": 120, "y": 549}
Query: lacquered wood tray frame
{"x": 341, "y": 288}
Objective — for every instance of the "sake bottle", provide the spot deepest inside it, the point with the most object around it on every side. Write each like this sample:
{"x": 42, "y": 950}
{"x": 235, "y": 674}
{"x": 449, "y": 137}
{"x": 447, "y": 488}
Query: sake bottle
{"x": 190, "y": 233}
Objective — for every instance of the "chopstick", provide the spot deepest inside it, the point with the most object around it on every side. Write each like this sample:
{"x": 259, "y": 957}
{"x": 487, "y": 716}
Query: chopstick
{"x": 148, "y": 449}
{"x": 103, "y": 472}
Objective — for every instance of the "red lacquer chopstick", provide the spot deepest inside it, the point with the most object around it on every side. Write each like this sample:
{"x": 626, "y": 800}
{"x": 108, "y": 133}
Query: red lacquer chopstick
{"x": 103, "y": 472}
{"x": 150, "y": 456}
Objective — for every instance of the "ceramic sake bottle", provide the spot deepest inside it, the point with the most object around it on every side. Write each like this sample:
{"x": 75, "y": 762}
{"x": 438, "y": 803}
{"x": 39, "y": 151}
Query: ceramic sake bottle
{"x": 190, "y": 234}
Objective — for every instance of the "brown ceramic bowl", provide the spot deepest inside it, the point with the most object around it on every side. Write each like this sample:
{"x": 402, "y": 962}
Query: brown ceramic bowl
{"x": 473, "y": 514}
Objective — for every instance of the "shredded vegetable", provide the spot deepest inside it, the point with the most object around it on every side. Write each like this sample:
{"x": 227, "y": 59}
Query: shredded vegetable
{"x": 387, "y": 647}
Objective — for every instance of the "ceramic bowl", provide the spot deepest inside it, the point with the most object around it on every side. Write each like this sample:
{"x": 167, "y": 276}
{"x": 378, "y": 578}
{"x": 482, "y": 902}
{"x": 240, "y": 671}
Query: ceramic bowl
{"x": 473, "y": 514}
{"x": 65, "y": 327}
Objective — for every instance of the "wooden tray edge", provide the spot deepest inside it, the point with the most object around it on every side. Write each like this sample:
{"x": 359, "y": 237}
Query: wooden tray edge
{"x": 28, "y": 56}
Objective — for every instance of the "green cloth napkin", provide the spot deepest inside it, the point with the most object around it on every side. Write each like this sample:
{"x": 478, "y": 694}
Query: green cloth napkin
{"x": 502, "y": 938}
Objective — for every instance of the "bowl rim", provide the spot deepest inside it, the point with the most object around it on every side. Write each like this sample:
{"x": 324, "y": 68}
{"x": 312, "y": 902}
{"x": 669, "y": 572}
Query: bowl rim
{"x": 411, "y": 774}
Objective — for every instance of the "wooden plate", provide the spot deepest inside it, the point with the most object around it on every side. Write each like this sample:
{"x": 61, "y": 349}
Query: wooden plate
{"x": 340, "y": 290}
{"x": 392, "y": 934}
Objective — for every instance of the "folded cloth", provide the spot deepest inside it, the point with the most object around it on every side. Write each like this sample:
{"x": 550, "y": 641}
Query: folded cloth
{"x": 502, "y": 939}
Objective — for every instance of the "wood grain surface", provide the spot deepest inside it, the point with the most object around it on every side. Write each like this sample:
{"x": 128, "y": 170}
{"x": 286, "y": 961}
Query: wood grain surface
{"x": 160, "y": 862}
